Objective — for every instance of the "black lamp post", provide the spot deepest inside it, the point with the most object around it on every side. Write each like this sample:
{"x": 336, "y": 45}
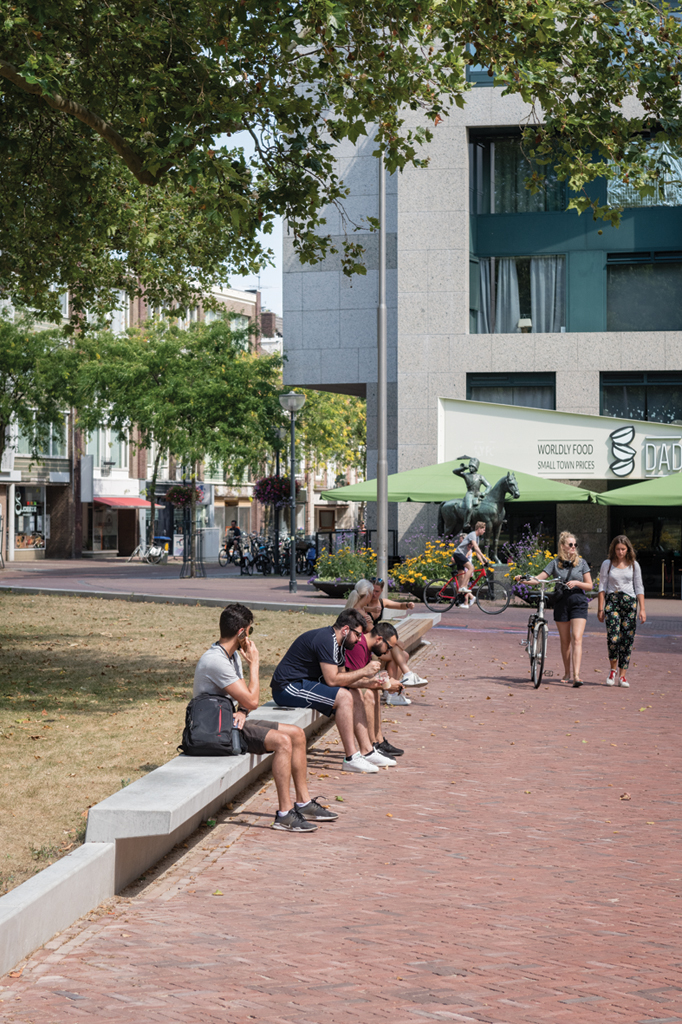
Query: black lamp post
{"x": 280, "y": 434}
{"x": 292, "y": 403}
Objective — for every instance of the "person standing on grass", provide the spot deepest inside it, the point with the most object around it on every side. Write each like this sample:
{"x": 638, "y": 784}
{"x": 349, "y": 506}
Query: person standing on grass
{"x": 312, "y": 674}
{"x": 219, "y": 670}
{"x": 621, "y": 593}
{"x": 570, "y": 608}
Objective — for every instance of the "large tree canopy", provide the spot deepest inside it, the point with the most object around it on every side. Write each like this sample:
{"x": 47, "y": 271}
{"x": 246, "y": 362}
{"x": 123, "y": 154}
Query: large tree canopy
{"x": 115, "y": 167}
{"x": 113, "y": 117}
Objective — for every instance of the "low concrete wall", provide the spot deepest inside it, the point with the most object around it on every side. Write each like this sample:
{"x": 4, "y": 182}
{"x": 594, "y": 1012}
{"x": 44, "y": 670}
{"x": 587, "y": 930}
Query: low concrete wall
{"x": 130, "y": 831}
{"x": 53, "y": 899}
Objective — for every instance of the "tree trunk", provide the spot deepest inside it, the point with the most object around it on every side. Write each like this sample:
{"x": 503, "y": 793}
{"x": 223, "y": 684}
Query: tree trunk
{"x": 155, "y": 473}
{"x": 192, "y": 524}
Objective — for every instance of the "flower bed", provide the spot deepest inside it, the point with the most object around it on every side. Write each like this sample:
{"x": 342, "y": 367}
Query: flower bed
{"x": 346, "y": 565}
{"x": 433, "y": 563}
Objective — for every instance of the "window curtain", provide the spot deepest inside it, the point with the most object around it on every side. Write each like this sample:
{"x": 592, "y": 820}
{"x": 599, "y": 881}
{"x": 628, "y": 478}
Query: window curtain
{"x": 547, "y": 291}
{"x": 483, "y": 314}
{"x": 507, "y": 304}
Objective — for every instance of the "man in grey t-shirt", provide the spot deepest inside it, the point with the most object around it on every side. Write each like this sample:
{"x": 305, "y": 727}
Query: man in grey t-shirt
{"x": 461, "y": 558}
{"x": 220, "y": 671}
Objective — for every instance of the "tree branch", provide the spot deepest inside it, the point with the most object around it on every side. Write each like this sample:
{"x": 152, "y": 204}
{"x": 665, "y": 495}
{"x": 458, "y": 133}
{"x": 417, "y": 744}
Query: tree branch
{"x": 92, "y": 120}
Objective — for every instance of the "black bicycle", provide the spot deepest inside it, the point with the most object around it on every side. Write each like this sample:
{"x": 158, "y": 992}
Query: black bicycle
{"x": 538, "y": 633}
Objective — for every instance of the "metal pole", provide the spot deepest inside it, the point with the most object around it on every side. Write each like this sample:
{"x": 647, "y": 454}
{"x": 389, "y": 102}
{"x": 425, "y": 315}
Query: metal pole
{"x": 277, "y": 521}
{"x": 293, "y": 585}
{"x": 382, "y": 394}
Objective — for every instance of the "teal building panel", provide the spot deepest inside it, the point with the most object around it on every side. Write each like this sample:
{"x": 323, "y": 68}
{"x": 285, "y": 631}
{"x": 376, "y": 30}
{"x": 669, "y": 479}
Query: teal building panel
{"x": 586, "y": 291}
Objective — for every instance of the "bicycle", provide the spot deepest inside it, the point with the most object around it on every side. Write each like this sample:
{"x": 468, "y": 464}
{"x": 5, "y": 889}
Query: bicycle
{"x": 492, "y": 596}
{"x": 150, "y": 553}
{"x": 538, "y": 632}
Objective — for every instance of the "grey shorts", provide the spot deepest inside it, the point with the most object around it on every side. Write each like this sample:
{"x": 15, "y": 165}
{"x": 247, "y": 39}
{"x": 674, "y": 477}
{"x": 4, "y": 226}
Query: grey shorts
{"x": 254, "y": 732}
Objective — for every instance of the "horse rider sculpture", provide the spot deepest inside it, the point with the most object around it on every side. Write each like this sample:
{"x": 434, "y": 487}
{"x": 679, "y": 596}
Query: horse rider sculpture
{"x": 474, "y": 481}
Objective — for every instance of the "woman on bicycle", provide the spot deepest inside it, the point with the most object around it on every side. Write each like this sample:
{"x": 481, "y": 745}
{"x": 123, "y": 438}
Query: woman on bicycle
{"x": 573, "y": 577}
{"x": 366, "y": 597}
{"x": 620, "y": 583}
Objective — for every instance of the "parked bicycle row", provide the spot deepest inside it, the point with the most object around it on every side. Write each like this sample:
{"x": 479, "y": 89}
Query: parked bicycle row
{"x": 258, "y": 554}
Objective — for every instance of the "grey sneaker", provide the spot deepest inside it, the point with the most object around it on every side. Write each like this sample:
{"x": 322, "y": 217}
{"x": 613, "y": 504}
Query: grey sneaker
{"x": 312, "y": 811}
{"x": 359, "y": 764}
{"x": 293, "y": 821}
{"x": 397, "y": 699}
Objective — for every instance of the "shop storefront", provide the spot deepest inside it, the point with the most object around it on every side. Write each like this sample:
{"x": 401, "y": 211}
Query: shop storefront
{"x": 31, "y": 524}
{"x": 111, "y": 526}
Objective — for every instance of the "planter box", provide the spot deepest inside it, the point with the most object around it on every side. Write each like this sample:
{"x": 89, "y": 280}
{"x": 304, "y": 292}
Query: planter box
{"x": 334, "y": 588}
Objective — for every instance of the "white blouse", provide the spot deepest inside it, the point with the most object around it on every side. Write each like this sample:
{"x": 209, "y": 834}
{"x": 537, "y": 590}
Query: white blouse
{"x": 621, "y": 581}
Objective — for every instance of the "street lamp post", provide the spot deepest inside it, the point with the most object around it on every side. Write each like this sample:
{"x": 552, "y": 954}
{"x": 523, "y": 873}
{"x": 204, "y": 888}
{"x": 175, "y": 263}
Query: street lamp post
{"x": 292, "y": 403}
{"x": 280, "y": 434}
{"x": 382, "y": 396}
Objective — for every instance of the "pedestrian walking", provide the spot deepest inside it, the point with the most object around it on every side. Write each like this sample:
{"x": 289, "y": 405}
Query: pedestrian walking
{"x": 621, "y": 594}
{"x": 573, "y": 577}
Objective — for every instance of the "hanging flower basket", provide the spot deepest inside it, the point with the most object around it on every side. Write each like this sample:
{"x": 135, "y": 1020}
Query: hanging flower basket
{"x": 181, "y": 494}
{"x": 274, "y": 490}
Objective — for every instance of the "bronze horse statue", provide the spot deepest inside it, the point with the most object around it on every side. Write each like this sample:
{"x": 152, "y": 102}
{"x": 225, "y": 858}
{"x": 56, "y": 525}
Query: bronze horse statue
{"x": 490, "y": 511}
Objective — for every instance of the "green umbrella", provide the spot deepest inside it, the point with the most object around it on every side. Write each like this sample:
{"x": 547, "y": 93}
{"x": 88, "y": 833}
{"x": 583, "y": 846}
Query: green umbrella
{"x": 437, "y": 483}
{"x": 660, "y": 490}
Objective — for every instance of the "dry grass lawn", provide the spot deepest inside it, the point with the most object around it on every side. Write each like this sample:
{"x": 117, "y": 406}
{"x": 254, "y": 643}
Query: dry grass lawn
{"x": 92, "y": 696}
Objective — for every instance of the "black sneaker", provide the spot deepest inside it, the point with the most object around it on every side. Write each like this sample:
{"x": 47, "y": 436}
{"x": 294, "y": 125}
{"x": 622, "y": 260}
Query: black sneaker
{"x": 312, "y": 811}
{"x": 293, "y": 821}
{"x": 388, "y": 750}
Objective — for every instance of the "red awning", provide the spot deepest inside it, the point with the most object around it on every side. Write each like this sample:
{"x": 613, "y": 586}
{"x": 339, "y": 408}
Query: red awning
{"x": 123, "y": 502}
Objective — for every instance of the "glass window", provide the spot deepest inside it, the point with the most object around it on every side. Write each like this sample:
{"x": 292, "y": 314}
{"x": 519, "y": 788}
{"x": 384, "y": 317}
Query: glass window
{"x": 536, "y": 390}
{"x": 667, "y": 189}
{"x": 118, "y": 451}
{"x": 642, "y": 396}
{"x": 644, "y": 296}
{"x": 93, "y": 446}
{"x": 499, "y": 170}
{"x": 523, "y": 294}
{"x": 29, "y": 518}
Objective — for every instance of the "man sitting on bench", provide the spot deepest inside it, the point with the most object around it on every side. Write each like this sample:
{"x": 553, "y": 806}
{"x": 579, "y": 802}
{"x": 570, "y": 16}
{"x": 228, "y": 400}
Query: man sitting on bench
{"x": 312, "y": 674}
{"x": 220, "y": 671}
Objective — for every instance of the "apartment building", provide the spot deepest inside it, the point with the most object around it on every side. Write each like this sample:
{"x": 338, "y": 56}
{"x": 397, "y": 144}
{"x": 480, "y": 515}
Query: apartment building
{"x": 499, "y": 296}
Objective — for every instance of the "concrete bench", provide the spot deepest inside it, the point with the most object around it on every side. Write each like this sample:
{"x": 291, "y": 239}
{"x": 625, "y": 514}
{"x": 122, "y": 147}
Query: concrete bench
{"x": 131, "y": 830}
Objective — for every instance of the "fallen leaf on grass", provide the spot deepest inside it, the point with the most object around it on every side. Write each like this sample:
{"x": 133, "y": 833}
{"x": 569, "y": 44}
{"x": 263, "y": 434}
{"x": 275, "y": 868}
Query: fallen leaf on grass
{"x": 626, "y": 796}
{"x": 340, "y": 799}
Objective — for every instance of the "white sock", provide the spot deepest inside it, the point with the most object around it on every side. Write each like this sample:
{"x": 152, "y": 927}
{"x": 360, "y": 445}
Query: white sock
{"x": 298, "y": 804}
{"x": 282, "y": 814}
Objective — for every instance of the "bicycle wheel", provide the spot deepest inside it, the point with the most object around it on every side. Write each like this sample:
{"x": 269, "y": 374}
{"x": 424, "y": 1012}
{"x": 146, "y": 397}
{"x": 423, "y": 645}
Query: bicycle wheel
{"x": 223, "y": 557}
{"x": 493, "y": 596}
{"x": 440, "y": 595}
{"x": 539, "y": 652}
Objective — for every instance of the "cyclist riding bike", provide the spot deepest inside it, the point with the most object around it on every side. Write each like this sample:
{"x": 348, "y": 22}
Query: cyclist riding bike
{"x": 233, "y": 539}
{"x": 461, "y": 559}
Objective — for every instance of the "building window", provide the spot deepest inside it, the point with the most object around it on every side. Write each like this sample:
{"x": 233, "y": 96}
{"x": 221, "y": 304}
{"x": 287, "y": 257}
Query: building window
{"x": 522, "y": 294}
{"x": 499, "y": 169}
{"x": 535, "y": 390}
{"x": 642, "y": 396}
{"x": 644, "y": 291}
{"x": 55, "y": 446}
{"x": 29, "y": 518}
{"x": 667, "y": 189}
{"x": 109, "y": 449}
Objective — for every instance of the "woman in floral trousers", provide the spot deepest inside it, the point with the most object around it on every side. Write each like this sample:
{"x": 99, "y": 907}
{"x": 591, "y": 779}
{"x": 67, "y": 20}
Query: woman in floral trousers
{"x": 621, "y": 593}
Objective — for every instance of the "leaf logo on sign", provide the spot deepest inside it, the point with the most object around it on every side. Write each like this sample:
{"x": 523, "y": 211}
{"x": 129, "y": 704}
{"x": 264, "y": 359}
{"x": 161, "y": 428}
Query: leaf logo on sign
{"x": 623, "y": 453}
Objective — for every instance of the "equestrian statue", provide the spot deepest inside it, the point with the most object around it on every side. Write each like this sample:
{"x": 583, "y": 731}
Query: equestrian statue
{"x": 461, "y": 514}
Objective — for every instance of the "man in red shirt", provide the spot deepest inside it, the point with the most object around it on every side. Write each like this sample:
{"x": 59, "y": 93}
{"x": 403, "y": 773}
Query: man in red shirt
{"x": 376, "y": 641}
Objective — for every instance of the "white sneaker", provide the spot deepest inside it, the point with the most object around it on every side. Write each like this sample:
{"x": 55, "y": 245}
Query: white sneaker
{"x": 397, "y": 699}
{"x": 611, "y": 681}
{"x": 623, "y": 681}
{"x": 359, "y": 764}
{"x": 379, "y": 759}
{"x": 412, "y": 679}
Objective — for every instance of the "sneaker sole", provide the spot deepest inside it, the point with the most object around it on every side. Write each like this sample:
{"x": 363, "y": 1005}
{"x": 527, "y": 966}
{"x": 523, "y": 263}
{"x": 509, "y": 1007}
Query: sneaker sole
{"x": 360, "y": 771}
{"x": 285, "y": 828}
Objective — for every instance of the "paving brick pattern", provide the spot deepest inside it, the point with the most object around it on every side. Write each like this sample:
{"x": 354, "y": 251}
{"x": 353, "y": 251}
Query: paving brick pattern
{"x": 495, "y": 875}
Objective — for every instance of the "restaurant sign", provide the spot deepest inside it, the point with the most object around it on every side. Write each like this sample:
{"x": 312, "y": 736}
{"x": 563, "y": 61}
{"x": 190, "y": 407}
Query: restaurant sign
{"x": 558, "y": 444}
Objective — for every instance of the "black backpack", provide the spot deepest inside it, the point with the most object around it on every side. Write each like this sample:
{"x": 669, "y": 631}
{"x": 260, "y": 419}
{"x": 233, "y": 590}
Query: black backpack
{"x": 210, "y": 730}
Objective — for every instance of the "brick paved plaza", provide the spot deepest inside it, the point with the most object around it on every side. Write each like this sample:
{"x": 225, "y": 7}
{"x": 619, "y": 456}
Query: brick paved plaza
{"x": 495, "y": 875}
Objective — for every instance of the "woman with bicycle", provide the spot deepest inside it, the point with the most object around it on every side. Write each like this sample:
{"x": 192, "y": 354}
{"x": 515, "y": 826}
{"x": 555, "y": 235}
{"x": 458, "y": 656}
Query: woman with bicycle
{"x": 573, "y": 577}
{"x": 620, "y": 583}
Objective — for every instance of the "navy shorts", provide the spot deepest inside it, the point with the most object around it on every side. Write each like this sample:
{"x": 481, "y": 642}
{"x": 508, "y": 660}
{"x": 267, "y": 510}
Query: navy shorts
{"x": 307, "y": 694}
{"x": 461, "y": 561}
{"x": 570, "y": 606}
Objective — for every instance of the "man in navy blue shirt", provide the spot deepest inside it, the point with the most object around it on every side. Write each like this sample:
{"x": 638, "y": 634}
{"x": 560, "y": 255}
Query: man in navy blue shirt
{"x": 312, "y": 674}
